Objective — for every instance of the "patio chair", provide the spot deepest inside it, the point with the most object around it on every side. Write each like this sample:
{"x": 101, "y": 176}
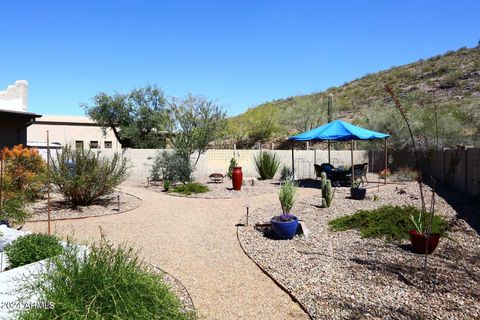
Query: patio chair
{"x": 324, "y": 167}
{"x": 359, "y": 172}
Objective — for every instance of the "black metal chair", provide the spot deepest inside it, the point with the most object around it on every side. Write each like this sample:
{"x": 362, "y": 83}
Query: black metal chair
{"x": 324, "y": 167}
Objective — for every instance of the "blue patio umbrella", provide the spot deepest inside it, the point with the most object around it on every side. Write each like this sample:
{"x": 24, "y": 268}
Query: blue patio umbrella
{"x": 338, "y": 130}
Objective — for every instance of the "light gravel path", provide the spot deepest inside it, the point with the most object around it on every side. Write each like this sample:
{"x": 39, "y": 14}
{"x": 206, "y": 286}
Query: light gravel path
{"x": 195, "y": 240}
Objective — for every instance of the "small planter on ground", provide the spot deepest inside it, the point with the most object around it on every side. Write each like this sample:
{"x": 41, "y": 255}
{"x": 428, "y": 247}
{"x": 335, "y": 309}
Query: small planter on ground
{"x": 356, "y": 191}
{"x": 420, "y": 242}
{"x": 423, "y": 241}
{"x": 285, "y": 226}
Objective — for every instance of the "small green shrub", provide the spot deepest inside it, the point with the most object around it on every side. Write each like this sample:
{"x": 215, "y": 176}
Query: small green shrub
{"x": 285, "y": 173}
{"x": 286, "y": 195}
{"x": 266, "y": 164}
{"x": 83, "y": 176}
{"x": 191, "y": 188}
{"x": 108, "y": 283}
{"x": 233, "y": 163}
{"x": 390, "y": 222}
{"x": 32, "y": 248}
{"x": 404, "y": 174}
{"x": 166, "y": 184}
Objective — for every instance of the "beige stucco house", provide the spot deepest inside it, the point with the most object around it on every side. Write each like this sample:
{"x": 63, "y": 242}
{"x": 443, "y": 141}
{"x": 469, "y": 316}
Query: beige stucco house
{"x": 14, "y": 117}
{"x": 76, "y": 131}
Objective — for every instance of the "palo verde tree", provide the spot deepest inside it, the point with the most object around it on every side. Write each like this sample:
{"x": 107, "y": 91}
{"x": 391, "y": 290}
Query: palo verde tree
{"x": 138, "y": 119}
{"x": 308, "y": 113}
{"x": 196, "y": 123}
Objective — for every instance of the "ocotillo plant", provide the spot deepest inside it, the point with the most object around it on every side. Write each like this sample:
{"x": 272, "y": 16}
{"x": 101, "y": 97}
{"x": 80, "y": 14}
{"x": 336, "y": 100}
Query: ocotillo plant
{"x": 426, "y": 223}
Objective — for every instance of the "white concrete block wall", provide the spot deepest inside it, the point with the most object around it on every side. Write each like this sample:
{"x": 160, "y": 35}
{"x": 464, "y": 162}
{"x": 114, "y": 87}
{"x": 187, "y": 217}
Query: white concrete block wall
{"x": 217, "y": 160}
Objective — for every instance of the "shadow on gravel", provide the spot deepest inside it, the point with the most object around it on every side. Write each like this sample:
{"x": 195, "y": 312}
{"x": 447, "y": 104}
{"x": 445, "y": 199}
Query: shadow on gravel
{"x": 467, "y": 207}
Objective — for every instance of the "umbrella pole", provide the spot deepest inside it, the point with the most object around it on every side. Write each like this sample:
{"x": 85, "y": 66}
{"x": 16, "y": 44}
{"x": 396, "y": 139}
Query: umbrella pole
{"x": 386, "y": 162}
{"x": 353, "y": 171}
{"x": 293, "y": 160}
{"x": 328, "y": 147}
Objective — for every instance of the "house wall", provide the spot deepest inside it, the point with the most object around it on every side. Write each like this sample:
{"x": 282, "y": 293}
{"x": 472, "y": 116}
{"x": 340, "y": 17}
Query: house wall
{"x": 12, "y": 133}
{"x": 15, "y": 97}
{"x": 67, "y": 130}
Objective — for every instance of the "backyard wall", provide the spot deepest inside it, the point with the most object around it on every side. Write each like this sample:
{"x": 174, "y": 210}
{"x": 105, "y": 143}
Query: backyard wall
{"x": 217, "y": 160}
{"x": 457, "y": 167}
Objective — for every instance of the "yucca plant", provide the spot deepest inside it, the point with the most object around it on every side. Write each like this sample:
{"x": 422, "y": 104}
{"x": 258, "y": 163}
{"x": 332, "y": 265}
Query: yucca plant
{"x": 83, "y": 176}
{"x": 286, "y": 195}
{"x": 266, "y": 164}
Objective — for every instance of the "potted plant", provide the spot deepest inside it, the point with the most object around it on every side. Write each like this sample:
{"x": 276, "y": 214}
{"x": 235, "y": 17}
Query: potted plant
{"x": 421, "y": 242}
{"x": 285, "y": 225}
{"x": 356, "y": 191}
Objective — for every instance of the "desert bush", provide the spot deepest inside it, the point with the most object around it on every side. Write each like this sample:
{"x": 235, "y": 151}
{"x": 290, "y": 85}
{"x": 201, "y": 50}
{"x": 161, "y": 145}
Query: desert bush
{"x": 32, "y": 248}
{"x": 285, "y": 173}
{"x": 266, "y": 164}
{"x": 108, "y": 283}
{"x": 404, "y": 174}
{"x": 172, "y": 167}
{"x": 23, "y": 181}
{"x": 191, "y": 188}
{"x": 83, "y": 176}
{"x": 233, "y": 164}
{"x": 24, "y": 171}
{"x": 389, "y": 222}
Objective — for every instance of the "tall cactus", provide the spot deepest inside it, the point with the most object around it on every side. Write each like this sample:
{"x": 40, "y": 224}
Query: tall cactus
{"x": 323, "y": 182}
{"x": 327, "y": 193}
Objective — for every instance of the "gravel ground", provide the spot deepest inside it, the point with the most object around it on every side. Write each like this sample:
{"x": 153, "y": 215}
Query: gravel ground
{"x": 105, "y": 206}
{"x": 194, "y": 240}
{"x": 338, "y": 275}
{"x": 224, "y": 190}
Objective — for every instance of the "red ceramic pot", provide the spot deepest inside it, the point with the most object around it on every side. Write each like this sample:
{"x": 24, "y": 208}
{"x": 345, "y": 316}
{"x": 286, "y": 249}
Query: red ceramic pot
{"x": 419, "y": 242}
{"x": 237, "y": 178}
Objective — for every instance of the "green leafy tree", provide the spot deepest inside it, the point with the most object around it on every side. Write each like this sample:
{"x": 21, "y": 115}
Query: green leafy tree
{"x": 138, "y": 119}
{"x": 307, "y": 113}
{"x": 196, "y": 123}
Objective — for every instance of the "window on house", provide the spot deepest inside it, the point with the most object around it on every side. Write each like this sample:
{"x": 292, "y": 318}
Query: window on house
{"x": 94, "y": 144}
{"x": 79, "y": 144}
{"x": 108, "y": 144}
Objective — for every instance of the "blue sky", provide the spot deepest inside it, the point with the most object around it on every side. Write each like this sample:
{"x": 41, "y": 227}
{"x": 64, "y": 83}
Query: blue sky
{"x": 240, "y": 53}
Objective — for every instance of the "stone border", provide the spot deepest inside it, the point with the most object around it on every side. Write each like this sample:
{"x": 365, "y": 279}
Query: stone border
{"x": 178, "y": 288}
{"x": 94, "y": 216}
{"x": 240, "y": 224}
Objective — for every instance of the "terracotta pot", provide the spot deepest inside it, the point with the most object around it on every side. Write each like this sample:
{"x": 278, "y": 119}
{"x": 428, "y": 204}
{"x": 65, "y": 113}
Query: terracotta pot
{"x": 419, "y": 242}
{"x": 237, "y": 178}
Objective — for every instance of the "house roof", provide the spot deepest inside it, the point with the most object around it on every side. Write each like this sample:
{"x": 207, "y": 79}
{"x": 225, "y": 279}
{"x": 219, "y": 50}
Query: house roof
{"x": 12, "y": 115}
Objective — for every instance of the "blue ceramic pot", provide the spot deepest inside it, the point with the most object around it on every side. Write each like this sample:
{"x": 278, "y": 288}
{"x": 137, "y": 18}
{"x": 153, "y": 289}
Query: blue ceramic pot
{"x": 285, "y": 230}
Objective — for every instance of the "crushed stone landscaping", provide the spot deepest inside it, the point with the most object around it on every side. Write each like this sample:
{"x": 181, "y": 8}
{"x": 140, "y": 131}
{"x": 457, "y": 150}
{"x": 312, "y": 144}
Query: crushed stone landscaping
{"x": 60, "y": 209}
{"x": 339, "y": 275}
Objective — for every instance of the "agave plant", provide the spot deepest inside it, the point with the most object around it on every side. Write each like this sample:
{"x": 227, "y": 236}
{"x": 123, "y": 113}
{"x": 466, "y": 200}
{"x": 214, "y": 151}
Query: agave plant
{"x": 266, "y": 164}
